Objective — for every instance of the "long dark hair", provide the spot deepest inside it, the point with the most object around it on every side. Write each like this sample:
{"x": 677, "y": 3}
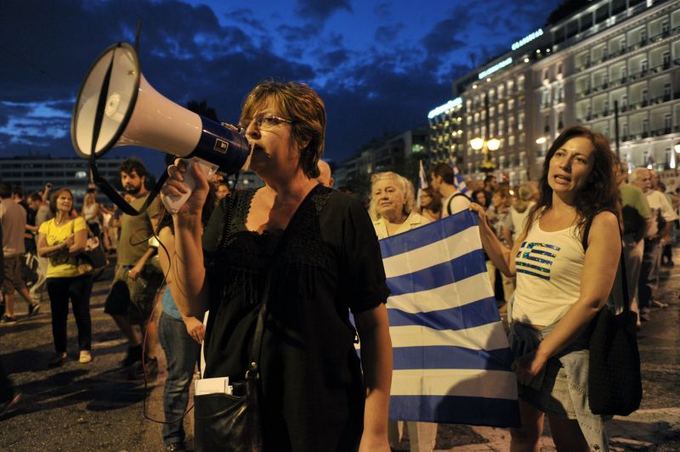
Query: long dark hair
{"x": 599, "y": 192}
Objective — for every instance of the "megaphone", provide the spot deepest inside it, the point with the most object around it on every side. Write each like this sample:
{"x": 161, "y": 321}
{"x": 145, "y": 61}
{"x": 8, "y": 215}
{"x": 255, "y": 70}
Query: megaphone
{"x": 116, "y": 106}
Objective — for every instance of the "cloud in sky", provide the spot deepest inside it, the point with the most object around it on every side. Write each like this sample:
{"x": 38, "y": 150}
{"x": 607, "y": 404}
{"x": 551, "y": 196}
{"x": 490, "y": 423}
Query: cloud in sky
{"x": 380, "y": 66}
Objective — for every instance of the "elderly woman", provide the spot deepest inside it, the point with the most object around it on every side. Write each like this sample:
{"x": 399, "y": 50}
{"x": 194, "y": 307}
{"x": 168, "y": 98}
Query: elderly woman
{"x": 563, "y": 280}
{"x": 323, "y": 260}
{"x": 391, "y": 207}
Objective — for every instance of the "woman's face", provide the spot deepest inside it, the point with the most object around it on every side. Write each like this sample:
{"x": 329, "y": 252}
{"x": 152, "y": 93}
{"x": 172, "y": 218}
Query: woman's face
{"x": 389, "y": 199}
{"x": 481, "y": 198}
{"x": 425, "y": 199}
{"x": 570, "y": 166}
{"x": 270, "y": 136}
{"x": 64, "y": 202}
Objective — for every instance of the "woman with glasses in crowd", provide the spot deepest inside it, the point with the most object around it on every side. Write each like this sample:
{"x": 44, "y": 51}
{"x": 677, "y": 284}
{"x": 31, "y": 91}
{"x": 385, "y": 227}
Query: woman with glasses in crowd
{"x": 321, "y": 254}
{"x": 60, "y": 240}
{"x": 563, "y": 280}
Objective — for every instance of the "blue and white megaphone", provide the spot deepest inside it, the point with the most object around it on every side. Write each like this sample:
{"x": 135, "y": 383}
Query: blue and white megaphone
{"x": 116, "y": 106}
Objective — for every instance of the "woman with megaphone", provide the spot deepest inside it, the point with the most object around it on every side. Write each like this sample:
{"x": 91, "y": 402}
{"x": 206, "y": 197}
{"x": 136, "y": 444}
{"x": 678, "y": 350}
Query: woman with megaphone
{"x": 284, "y": 266}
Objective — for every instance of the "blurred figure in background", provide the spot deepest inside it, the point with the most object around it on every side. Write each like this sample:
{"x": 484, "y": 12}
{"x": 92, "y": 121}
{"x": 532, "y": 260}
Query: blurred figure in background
{"x": 430, "y": 204}
{"x": 325, "y": 174}
{"x": 92, "y": 214}
{"x": 13, "y": 219}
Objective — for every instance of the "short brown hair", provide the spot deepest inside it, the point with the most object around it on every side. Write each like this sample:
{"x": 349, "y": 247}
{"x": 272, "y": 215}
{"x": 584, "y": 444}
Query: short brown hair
{"x": 304, "y": 107}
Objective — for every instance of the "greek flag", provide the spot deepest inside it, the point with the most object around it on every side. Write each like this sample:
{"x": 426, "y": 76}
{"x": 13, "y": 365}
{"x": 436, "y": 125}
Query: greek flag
{"x": 451, "y": 355}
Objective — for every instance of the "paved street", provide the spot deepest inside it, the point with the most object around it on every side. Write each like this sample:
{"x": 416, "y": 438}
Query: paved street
{"x": 94, "y": 407}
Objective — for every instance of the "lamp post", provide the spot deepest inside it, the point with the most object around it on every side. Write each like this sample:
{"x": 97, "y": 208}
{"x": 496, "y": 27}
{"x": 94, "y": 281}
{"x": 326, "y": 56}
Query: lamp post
{"x": 480, "y": 144}
{"x": 486, "y": 144}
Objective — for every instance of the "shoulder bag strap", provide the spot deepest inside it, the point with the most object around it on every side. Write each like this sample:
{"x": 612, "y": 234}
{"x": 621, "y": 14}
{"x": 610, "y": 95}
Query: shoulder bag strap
{"x": 253, "y": 371}
{"x": 622, "y": 262}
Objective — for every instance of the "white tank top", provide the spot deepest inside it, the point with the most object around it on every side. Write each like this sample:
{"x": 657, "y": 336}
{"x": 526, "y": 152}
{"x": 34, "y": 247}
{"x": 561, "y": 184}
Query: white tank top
{"x": 549, "y": 267}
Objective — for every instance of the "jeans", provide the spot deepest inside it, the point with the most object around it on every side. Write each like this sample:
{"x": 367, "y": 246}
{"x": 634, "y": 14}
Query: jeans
{"x": 181, "y": 353}
{"x": 78, "y": 290}
{"x": 648, "y": 282}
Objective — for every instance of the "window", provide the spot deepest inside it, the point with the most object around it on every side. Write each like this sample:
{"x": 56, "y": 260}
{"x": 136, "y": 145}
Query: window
{"x": 667, "y": 91}
{"x": 666, "y": 60}
{"x": 644, "y": 65}
{"x": 667, "y": 122}
{"x": 622, "y": 45}
{"x": 560, "y": 121}
{"x": 546, "y": 122}
{"x": 520, "y": 122}
{"x": 511, "y": 104}
{"x": 665, "y": 27}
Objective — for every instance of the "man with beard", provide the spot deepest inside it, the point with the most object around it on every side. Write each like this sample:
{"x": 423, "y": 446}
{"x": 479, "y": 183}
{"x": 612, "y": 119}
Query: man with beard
{"x": 133, "y": 291}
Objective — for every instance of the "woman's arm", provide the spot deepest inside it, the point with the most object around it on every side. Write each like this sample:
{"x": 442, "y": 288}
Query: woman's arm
{"x": 376, "y": 358}
{"x": 188, "y": 271}
{"x": 45, "y": 250}
{"x": 599, "y": 272}
{"x": 501, "y": 256}
{"x": 79, "y": 241}
{"x": 194, "y": 326}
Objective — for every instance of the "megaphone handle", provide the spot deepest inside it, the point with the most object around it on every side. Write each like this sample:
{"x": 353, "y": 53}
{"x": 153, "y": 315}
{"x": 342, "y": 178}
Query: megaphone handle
{"x": 174, "y": 203}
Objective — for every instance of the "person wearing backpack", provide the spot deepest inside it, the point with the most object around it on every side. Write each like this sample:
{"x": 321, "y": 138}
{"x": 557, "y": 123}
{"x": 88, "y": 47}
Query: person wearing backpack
{"x": 453, "y": 201}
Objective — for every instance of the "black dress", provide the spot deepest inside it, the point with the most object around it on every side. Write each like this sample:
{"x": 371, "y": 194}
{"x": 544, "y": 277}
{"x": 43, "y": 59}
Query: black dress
{"x": 327, "y": 263}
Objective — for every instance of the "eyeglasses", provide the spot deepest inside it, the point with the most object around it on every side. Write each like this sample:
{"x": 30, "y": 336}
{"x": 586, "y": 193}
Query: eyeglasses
{"x": 268, "y": 121}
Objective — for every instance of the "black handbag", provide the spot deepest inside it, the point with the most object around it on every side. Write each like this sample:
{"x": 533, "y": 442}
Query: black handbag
{"x": 614, "y": 379}
{"x": 231, "y": 422}
{"x": 93, "y": 257}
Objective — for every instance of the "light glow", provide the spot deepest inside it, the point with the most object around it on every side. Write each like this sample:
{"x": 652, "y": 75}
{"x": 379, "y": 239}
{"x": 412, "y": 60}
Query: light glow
{"x": 450, "y": 105}
{"x": 477, "y": 143}
{"x": 495, "y": 67}
{"x": 527, "y": 39}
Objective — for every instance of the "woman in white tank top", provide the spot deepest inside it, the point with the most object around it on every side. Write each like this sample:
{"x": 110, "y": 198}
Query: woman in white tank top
{"x": 560, "y": 288}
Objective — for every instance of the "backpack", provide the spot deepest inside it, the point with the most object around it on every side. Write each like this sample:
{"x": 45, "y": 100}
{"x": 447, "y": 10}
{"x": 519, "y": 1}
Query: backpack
{"x": 448, "y": 205}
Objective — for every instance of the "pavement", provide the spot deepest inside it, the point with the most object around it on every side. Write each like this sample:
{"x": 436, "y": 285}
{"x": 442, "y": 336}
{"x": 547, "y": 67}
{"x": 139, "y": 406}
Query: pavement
{"x": 94, "y": 407}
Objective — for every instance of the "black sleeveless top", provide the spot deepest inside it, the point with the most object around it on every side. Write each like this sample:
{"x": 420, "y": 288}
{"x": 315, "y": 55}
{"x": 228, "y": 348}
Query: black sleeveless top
{"x": 325, "y": 264}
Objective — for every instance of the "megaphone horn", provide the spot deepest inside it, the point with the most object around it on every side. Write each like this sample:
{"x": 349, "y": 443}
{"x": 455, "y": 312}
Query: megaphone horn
{"x": 116, "y": 106}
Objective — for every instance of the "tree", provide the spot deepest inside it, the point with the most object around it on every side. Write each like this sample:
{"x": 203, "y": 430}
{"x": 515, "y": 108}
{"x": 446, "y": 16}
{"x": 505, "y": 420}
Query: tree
{"x": 202, "y": 108}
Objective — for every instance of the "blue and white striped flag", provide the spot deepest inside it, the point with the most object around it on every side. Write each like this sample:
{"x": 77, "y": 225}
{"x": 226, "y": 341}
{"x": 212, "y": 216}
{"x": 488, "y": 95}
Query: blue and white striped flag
{"x": 458, "y": 180}
{"x": 451, "y": 355}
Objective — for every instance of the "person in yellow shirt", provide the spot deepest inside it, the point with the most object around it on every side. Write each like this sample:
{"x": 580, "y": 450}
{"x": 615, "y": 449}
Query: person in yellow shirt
{"x": 60, "y": 240}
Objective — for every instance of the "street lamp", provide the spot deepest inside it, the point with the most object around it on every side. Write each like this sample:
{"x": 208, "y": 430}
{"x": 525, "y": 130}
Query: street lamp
{"x": 480, "y": 144}
{"x": 485, "y": 144}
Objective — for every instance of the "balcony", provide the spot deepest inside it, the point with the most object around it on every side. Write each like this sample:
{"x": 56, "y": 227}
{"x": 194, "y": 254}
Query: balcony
{"x": 661, "y": 131}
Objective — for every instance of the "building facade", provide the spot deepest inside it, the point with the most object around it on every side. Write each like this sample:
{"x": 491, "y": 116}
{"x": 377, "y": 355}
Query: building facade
{"x": 602, "y": 56}
{"x": 33, "y": 173}
{"x": 446, "y": 132}
{"x": 395, "y": 153}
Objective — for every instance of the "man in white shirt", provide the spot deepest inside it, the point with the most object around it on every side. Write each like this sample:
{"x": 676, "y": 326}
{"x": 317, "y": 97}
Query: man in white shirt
{"x": 663, "y": 212}
{"x": 453, "y": 201}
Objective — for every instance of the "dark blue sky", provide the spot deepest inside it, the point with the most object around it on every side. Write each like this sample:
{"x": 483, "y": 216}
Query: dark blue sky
{"x": 379, "y": 65}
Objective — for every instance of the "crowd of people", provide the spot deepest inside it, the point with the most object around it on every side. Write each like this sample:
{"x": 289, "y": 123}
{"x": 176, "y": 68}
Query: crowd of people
{"x": 309, "y": 254}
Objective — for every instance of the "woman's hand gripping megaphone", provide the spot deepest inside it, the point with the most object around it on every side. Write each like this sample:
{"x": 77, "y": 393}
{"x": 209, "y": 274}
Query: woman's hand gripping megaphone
{"x": 187, "y": 186}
